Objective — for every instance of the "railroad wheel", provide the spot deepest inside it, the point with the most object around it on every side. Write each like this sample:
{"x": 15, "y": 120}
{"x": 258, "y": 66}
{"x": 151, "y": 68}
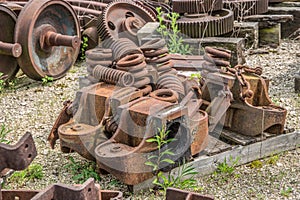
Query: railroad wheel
{"x": 49, "y": 34}
{"x": 8, "y": 50}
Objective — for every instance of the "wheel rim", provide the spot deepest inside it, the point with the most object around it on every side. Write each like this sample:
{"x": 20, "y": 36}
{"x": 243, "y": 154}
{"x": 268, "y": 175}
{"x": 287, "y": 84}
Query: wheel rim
{"x": 36, "y": 17}
{"x": 8, "y": 64}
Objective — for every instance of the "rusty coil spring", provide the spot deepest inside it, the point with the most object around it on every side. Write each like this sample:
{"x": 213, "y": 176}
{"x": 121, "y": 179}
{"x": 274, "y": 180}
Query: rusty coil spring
{"x": 170, "y": 81}
{"x": 110, "y": 126}
{"x": 136, "y": 65}
{"x": 98, "y": 56}
{"x": 113, "y": 76}
{"x": 123, "y": 47}
{"x": 218, "y": 57}
{"x": 167, "y": 95}
{"x": 157, "y": 55}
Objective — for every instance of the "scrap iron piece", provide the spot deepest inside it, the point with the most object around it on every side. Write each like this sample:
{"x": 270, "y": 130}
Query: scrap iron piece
{"x": 173, "y": 193}
{"x": 122, "y": 18}
{"x": 18, "y": 156}
{"x": 49, "y": 34}
{"x": 204, "y": 25}
{"x": 196, "y": 6}
{"x": 9, "y": 50}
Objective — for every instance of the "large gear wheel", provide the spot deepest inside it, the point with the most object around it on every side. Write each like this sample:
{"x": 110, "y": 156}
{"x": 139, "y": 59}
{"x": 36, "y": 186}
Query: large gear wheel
{"x": 122, "y": 18}
{"x": 204, "y": 25}
{"x": 196, "y": 6}
{"x": 242, "y": 8}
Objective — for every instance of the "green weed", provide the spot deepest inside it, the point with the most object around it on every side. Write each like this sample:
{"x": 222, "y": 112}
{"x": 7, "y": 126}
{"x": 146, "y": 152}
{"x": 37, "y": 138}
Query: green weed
{"x": 286, "y": 192}
{"x": 84, "y": 46}
{"x": 34, "y": 171}
{"x": 46, "y": 80}
{"x": 226, "y": 168}
{"x": 81, "y": 172}
{"x": 3, "y": 134}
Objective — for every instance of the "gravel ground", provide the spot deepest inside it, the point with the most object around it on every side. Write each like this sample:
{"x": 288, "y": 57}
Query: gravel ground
{"x": 31, "y": 106}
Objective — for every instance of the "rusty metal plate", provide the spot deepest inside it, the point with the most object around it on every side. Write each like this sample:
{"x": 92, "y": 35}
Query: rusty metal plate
{"x": 8, "y": 63}
{"x": 18, "y": 156}
{"x": 49, "y": 33}
{"x": 173, "y": 193}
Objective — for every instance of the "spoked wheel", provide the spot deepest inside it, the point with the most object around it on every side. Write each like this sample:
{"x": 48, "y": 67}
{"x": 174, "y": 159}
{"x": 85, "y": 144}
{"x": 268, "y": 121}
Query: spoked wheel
{"x": 8, "y": 50}
{"x": 49, "y": 34}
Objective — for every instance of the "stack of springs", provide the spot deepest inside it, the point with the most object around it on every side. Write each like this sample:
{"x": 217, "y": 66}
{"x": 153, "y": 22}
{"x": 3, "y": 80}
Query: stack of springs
{"x": 215, "y": 58}
{"x": 97, "y": 56}
{"x": 123, "y": 47}
{"x": 136, "y": 65}
{"x": 172, "y": 82}
{"x": 157, "y": 55}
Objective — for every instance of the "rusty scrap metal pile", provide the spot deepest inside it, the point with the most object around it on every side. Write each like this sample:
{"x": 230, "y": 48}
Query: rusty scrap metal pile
{"x": 132, "y": 90}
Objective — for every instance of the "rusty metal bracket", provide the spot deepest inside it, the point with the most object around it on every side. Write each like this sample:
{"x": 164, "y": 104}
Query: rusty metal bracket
{"x": 18, "y": 156}
{"x": 173, "y": 193}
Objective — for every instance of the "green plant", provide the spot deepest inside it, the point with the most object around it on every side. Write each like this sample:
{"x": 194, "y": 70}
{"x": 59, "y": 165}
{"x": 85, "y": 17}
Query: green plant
{"x": 286, "y": 192}
{"x": 2, "y": 82}
{"x": 81, "y": 172}
{"x": 34, "y": 171}
{"x": 46, "y": 80}
{"x": 256, "y": 164}
{"x": 84, "y": 46}
{"x": 196, "y": 76}
{"x": 185, "y": 177}
{"x": 272, "y": 160}
{"x": 175, "y": 41}
{"x": 226, "y": 168}
{"x": 3, "y": 133}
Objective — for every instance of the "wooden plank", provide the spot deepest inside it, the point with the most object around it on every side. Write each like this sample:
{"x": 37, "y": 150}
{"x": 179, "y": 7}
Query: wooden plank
{"x": 208, "y": 164}
{"x": 239, "y": 138}
{"x": 215, "y": 146}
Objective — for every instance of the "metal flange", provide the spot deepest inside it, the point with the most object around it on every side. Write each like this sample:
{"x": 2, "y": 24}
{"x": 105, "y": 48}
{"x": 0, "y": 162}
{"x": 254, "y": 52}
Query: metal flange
{"x": 50, "y": 37}
{"x": 8, "y": 49}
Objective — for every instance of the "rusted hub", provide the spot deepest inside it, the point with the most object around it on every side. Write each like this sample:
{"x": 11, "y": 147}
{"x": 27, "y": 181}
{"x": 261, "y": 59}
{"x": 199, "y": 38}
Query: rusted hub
{"x": 165, "y": 95}
{"x": 9, "y": 50}
{"x": 122, "y": 18}
{"x": 49, "y": 34}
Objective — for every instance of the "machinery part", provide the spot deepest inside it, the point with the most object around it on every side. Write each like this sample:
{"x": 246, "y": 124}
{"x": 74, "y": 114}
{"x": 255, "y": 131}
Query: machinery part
{"x": 174, "y": 193}
{"x": 86, "y": 191}
{"x": 169, "y": 81}
{"x": 18, "y": 156}
{"x": 196, "y": 6}
{"x": 122, "y": 18}
{"x": 152, "y": 5}
{"x": 136, "y": 65}
{"x": 217, "y": 57}
{"x": 157, "y": 54}
{"x": 113, "y": 76}
{"x": 165, "y": 95}
{"x": 138, "y": 121}
{"x": 92, "y": 37}
{"x": 204, "y": 25}
{"x": 63, "y": 117}
{"x": 242, "y": 8}
{"x": 257, "y": 107}
{"x": 98, "y": 56}
{"x": 9, "y": 50}
{"x": 123, "y": 47}
{"x": 50, "y": 39}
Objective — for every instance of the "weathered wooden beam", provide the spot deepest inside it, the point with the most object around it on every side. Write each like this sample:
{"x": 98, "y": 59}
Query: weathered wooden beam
{"x": 268, "y": 20}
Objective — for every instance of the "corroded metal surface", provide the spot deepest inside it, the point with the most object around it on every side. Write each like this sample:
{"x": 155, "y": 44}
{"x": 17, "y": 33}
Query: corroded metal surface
{"x": 204, "y": 25}
{"x": 8, "y": 49}
{"x": 173, "y": 193}
{"x": 50, "y": 39}
{"x": 18, "y": 156}
{"x": 196, "y": 6}
{"x": 122, "y": 18}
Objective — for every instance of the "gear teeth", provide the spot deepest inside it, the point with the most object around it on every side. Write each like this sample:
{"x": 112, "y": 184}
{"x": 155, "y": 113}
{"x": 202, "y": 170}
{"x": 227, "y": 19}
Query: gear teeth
{"x": 196, "y": 6}
{"x": 102, "y": 25}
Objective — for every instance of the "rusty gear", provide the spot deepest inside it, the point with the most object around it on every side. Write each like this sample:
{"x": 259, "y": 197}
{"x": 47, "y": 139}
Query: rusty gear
{"x": 152, "y": 5}
{"x": 122, "y": 18}
{"x": 196, "y": 6}
{"x": 242, "y": 8}
{"x": 199, "y": 25}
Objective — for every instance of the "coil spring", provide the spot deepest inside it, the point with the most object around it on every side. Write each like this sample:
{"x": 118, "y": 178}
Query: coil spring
{"x": 157, "y": 54}
{"x": 123, "y": 47}
{"x": 217, "y": 57}
{"x": 173, "y": 82}
{"x": 136, "y": 65}
{"x": 113, "y": 76}
{"x": 98, "y": 56}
